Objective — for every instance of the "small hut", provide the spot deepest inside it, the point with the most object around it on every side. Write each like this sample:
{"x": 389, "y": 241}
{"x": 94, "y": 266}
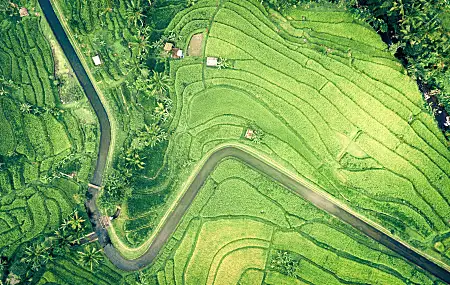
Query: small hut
{"x": 177, "y": 53}
{"x": 249, "y": 134}
{"x": 97, "y": 60}
{"x": 212, "y": 61}
{"x": 168, "y": 47}
{"x": 23, "y": 12}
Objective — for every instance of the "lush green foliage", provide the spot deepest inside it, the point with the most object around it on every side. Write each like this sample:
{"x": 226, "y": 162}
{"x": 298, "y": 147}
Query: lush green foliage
{"x": 44, "y": 146}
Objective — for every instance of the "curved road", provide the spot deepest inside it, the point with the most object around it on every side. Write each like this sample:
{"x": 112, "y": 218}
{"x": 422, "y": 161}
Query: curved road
{"x": 176, "y": 215}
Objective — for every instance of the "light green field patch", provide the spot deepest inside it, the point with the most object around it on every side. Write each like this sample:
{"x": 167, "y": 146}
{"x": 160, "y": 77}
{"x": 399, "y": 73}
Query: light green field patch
{"x": 223, "y": 231}
{"x": 276, "y": 278}
{"x": 237, "y": 262}
{"x": 251, "y": 276}
{"x": 230, "y": 249}
{"x": 235, "y": 197}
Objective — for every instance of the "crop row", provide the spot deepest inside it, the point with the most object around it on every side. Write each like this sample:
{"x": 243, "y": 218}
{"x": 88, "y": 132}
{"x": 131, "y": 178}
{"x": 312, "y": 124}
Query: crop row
{"x": 26, "y": 57}
{"x": 35, "y": 211}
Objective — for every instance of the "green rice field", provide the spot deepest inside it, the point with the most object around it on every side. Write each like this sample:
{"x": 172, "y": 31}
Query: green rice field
{"x": 335, "y": 107}
{"x": 241, "y": 221}
{"x": 47, "y": 146}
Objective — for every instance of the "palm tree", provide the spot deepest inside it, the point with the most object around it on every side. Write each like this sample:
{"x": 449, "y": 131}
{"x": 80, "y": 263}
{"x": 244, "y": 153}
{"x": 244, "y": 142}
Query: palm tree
{"x": 36, "y": 255}
{"x": 134, "y": 160}
{"x": 90, "y": 257}
{"x": 25, "y": 108}
{"x": 3, "y": 91}
{"x": 140, "y": 44}
{"x": 160, "y": 111}
{"x": 134, "y": 65}
{"x": 76, "y": 222}
{"x": 154, "y": 135}
{"x": 159, "y": 84}
{"x": 135, "y": 13}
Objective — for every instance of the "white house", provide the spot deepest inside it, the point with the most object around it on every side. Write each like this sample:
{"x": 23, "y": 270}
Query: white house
{"x": 97, "y": 60}
{"x": 211, "y": 61}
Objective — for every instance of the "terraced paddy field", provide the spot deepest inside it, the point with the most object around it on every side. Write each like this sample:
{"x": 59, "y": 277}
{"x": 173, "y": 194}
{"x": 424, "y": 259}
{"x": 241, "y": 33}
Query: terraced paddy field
{"x": 334, "y": 106}
{"x": 48, "y": 133}
{"x": 243, "y": 228}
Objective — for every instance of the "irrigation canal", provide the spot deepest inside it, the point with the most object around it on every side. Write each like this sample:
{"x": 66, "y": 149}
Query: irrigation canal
{"x": 176, "y": 215}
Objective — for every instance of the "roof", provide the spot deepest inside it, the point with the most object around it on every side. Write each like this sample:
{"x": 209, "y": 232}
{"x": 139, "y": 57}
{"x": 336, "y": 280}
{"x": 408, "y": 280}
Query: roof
{"x": 23, "y": 12}
{"x": 97, "y": 60}
{"x": 177, "y": 53}
{"x": 249, "y": 134}
{"x": 168, "y": 47}
{"x": 211, "y": 61}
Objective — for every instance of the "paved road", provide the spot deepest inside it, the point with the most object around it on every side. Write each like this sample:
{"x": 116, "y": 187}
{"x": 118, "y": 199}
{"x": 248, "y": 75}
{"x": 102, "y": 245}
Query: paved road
{"x": 176, "y": 215}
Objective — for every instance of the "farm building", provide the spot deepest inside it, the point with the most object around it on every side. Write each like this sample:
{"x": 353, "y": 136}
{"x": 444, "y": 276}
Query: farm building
{"x": 249, "y": 134}
{"x": 177, "y": 53}
{"x": 211, "y": 61}
{"x": 96, "y": 60}
{"x": 168, "y": 47}
{"x": 23, "y": 12}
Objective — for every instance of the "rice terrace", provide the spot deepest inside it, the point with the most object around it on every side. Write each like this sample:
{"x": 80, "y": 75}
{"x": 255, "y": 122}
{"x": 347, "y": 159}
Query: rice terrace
{"x": 224, "y": 142}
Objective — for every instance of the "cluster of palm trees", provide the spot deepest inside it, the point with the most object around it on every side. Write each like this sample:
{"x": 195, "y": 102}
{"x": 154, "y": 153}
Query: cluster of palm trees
{"x": 116, "y": 189}
{"x": 285, "y": 263}
{"x": 45, "y": 250}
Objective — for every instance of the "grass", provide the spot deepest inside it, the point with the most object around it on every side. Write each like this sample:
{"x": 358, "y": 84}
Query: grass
{"x": 239, "y": 246}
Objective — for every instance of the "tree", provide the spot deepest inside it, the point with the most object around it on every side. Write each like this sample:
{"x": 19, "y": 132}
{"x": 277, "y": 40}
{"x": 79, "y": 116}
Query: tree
{"x": 135, "y": 13}
{"x": 75, "y": 222}
{"x": 90, "y": 257}
{"x": 161, "y": 113}
{"x": 134, "y": 65}
{"x": 25, "y": 108}
{"x": 159, "y": 84}
{"x": 223, "y": 63}
{"x": 36, "y": 255}
{"x": 284, "y": 262}
{"x": 140, "y": 45}
{"x": 134, "y": 160}
{"x": 142, "y": 279}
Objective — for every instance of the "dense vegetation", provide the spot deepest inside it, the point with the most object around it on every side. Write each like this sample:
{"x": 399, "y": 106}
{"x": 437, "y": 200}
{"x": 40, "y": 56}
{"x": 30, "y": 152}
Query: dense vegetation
{"x": 334, "y": 106}
{"x": 48, "y": 142}
{"x": 128, "y": 36}
{"x": 244, "y": 229}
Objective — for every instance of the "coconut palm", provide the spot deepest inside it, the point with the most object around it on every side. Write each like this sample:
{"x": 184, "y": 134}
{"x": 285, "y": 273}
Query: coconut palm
{"x": 75, "y": 222}
{"x": 160, "y": 112}
{"x": 135, "y": 13}
{"x": 134, "y": 65}
{"x": 3, "y": 91}
{"x": 159, "y": 84}
{"x": 134, "y": 160}
{"x": 140, "y": 45}
{"x": 90, "y": 257}
{"x": 142, "y": 279}
{"x": 36, "y": 255}
{"x": 154, "y": 135}
{"x": 25, "y": 108}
